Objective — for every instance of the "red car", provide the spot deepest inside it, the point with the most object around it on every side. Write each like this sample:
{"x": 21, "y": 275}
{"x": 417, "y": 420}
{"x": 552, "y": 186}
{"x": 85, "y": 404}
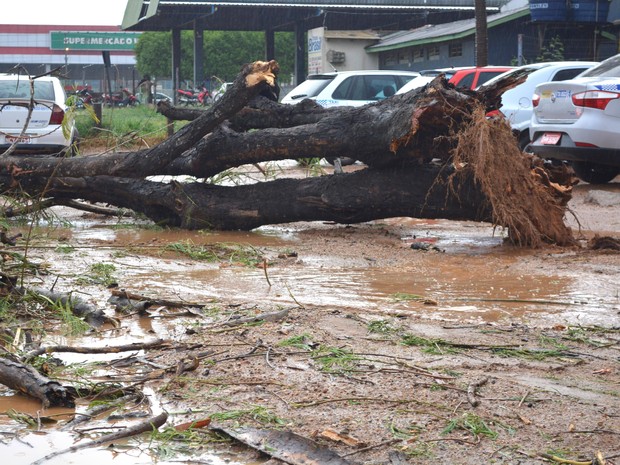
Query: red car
{"x": 473, "y": 77}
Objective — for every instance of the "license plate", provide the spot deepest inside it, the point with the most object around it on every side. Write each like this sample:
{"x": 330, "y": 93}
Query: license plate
{"x": 19, "y": 140}
{"x": 550, "y": 138}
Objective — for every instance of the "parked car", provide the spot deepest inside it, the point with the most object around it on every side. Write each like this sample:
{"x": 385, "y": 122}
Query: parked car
{"x": 45, "y": 132}
{"x": 349, "y": 88}
{"x": 217, "y": 93}
{"x": 517, "y": 102}
{"x": 416, "y": 83}
{"x": 157, "y": 97}
{"x": 470, "y": 78}
{"x": 578, "y": 121}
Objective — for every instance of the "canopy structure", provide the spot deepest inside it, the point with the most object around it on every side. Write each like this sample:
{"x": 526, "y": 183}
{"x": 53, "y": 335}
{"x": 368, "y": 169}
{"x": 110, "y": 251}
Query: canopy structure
{"x": 285, "y": 15}
{"x": 288, "y": 15}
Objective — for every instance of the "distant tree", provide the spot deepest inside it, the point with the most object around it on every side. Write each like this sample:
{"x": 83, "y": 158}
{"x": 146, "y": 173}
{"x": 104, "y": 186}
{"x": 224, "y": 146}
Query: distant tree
{"x": 150, "y": 56}
{"x": 225, "y": 52}
{"x": 553, "y": 51}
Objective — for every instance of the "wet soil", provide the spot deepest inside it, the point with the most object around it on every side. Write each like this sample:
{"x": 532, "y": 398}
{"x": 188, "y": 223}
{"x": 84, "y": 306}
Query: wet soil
{"x": 400, "y": 341}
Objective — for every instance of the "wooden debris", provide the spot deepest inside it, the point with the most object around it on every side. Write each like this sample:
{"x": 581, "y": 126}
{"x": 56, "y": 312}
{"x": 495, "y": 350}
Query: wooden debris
{"x": 27, "y": 380}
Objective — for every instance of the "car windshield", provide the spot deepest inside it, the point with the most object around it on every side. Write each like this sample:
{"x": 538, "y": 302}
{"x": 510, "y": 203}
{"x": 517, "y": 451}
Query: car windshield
{"x": 310, "y": 87}
{"x": 20, "y": 88}
{"x": 608, "y": 68}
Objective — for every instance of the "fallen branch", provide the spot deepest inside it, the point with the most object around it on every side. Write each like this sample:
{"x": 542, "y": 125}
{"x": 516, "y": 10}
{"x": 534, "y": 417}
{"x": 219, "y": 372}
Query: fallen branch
{"x": 26, "y": 379}
{"x": 95, "y": 350}
{"x": 143, "y": 427}
{"x": 471, "y": 391}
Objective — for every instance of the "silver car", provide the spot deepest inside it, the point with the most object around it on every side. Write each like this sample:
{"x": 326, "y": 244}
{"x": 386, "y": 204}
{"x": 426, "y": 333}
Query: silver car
{"x": 579, "y": 120}
{"x": 517, "y": 102}
{"x": 47, "y": 131}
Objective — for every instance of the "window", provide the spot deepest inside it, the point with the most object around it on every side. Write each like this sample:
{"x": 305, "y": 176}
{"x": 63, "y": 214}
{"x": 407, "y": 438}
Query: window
{"x": 455, "y": 49}
{"x": 566, "y": 74}
{"x": 389, "y": 59}
{"x": 433, "y": 53}
{"x": 403, "y": 58}
{"x": 418, "y": 55}
{"x": 21, "y": 89}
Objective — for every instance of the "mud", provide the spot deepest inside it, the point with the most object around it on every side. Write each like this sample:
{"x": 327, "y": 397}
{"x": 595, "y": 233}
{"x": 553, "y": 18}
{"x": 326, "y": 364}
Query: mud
{"x": 388, "y": 326}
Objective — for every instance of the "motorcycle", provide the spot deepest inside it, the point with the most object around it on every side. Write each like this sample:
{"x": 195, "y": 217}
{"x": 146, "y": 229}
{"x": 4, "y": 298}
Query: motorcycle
{"x": 194, "y": 96}
{"x": 80, "y": 98}
{"x": 124, "y": 98}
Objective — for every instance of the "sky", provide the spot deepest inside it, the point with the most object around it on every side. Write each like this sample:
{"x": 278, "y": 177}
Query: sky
{"x": 66, "y": 12}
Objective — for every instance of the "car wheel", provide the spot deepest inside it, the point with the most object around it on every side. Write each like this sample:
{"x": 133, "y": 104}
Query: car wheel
{"x": 594, "y": 173}
{"x": 344, "y": 161}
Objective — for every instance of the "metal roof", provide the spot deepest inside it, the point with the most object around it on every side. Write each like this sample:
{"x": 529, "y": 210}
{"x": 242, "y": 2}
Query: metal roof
{"x": 442, "y": 32}
{"x": 251, "y": 15}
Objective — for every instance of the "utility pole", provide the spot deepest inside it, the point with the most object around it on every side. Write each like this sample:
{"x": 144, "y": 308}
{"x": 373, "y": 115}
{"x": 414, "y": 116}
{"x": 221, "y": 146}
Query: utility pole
{"x": 482, "y": 43}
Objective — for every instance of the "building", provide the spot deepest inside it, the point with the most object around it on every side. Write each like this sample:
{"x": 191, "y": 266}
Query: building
{"x": 587, "y": 29}
{"x": 76, "y": 52}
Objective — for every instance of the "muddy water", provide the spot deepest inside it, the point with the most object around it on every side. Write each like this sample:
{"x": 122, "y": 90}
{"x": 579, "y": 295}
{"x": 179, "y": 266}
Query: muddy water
{"x": 469, "y": 278}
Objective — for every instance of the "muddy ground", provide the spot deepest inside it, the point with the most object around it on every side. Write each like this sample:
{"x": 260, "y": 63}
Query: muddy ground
{"x": 400, "y": 341}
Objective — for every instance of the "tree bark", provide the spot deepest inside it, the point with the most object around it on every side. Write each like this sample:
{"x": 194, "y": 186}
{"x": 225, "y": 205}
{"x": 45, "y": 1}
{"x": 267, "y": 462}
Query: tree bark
{"x": 27, "y": 380}
{"x": 394, "y": 138}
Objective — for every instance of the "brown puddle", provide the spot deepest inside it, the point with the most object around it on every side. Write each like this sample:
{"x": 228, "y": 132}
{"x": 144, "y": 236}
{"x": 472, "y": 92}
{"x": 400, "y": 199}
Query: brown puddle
{"x": 471, "y": 279}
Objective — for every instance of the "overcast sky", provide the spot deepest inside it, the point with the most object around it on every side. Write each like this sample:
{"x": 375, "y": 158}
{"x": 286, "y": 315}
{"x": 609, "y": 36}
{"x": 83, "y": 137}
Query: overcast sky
{"x": 65, "y": 12}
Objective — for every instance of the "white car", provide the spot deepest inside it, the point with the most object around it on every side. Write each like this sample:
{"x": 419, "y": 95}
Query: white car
{"x": 517, "y": 102}
{"x": 217, "y": 93}
{"x": 416, "y": 83}
{"x": 350, "y": 88}
{"x": 579, "y": 121}
{"x": 47, "y": 132}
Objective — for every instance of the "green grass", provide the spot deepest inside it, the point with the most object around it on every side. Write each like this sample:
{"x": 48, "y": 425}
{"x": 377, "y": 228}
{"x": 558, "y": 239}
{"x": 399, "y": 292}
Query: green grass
{"x": 381, "y": 327}
{"x": 303, "y": 341}
{"x": 471, "y": 423}
{"x": 99, "y": 273}
{"x": 219, "y": 252}
{"x": 335, "y": 359}
{"x": 429, "y": 346}
{"x": 132, "y": 127}
{"x": 257, "y": 413}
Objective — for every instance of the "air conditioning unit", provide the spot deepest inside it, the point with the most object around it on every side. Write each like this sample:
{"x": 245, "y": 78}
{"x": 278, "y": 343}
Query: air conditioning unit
{"x": 333, "y": 56}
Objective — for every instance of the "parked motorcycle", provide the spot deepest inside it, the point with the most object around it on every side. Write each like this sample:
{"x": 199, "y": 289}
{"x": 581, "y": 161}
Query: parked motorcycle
{"x": 194, "y": 96}
{"x": 124, "y": 98}
{"x": 80, "y": 98}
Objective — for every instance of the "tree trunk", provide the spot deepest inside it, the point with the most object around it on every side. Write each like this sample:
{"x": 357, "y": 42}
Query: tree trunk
{"x": 395, "y": 138}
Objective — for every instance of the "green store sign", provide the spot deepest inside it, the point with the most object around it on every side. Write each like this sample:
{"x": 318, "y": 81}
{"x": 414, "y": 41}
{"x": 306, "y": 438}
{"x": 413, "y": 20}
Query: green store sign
{"x": 68, "y": 40}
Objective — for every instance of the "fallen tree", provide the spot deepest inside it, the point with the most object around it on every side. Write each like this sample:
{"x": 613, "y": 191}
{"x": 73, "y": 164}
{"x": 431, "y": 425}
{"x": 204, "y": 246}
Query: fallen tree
{"x": 478, "y": 173}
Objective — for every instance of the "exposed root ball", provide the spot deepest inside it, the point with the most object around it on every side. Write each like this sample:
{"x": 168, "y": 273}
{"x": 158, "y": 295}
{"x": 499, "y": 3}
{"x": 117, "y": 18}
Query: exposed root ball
{"x": 532, "y": 210}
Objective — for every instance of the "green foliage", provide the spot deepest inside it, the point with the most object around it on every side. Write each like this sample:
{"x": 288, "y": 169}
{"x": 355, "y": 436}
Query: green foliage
{"x": 471, "y": 423}
{"x": 140, "y": 125}
{"x": 224, "y": 53}
{"x": 302, "y": 341}
{"x": 405, "y": 297}
{"x": 257, "y": 413}
{"x": 99, "y": 273}
{"x": 218, "y": 252}
{"x": 552, "y": 51}
{"x": 335, "y": 359}
{"x": 72, "y": 325}
{"x": 429, "y": 346}
{"x": 380, "y": 327}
